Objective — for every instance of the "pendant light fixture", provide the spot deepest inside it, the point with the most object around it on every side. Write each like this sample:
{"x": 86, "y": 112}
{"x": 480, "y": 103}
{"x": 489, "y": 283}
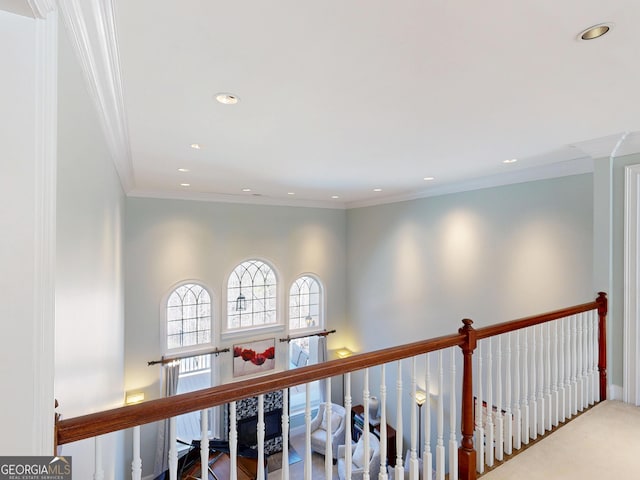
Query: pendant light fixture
{"x": 241, "y": 302}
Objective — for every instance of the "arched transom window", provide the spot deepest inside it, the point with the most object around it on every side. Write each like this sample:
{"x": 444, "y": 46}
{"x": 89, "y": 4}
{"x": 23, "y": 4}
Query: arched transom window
{"x": 251, "y": 296}
{"x": 305, "y": 300}
{"x": 188, "y": 316}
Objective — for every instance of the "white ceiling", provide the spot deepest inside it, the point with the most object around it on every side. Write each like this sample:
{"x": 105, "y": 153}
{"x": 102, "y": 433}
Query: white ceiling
{"x": 341, "y": 97}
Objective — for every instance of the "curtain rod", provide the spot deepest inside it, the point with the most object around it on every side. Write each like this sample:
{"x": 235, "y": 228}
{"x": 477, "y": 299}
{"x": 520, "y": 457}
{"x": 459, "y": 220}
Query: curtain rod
{"x": 164, "y": 360}
{"x": 323, "y": 333}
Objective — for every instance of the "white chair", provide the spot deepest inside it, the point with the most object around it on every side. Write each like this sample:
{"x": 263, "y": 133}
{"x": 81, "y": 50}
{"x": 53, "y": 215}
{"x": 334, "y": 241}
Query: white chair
{"x": 319, "y": 429}
{"x": 357, "y": 459}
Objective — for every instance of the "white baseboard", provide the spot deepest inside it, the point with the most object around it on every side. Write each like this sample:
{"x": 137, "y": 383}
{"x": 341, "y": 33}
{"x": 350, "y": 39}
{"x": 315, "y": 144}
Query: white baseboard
{"x": 148, "y": 477}
{"x": 615, "y": 392}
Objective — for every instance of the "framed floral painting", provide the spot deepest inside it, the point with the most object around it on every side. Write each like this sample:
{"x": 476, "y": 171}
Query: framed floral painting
{"x": 254, "y": 357}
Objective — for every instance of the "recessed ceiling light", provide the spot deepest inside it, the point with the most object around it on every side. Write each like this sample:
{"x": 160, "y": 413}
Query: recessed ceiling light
{"x": 512, "y": 160}
{"x": 377, "y": 189}
{"x": 595, "y": 32}
{"x": 227, "y": 98}
{"x": 184, "y": 170}
{"x": 246, "y": 189}
{"x": 291, "y": 193}
{"x": 428, "y": 179}
{"x": 334, "y": 196}
{"x": 195, "y": 146}
{"x": 185, "y": 184}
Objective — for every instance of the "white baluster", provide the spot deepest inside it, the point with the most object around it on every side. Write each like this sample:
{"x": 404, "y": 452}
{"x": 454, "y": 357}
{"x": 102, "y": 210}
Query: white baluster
{"x": 399, "y": 470}
{"x": 479, "y": 424}
{"x": 508, "y": 414}
{"x": 568, "y": 369}
{"x": 427, "y": 458}
{"x": 98, "y": 473}
{"x": 233, "y": 442}
{"x": 382, "y": 475}
{"x": 499, "y": 420}
{"x": 347, "y": 406}
{"x": 555, "y": 404}
{"x": 517, "y": 401}
{"x": 204, "y": 443}
{"x": 173, "y": 450}
{"x": 136, "y": 464}
{"x": 525, "y": 387}
{"x": 546, "y": 424}
{"x": 594, "y": 357}
{"x": 413, "y": 457}
{"x": 308, "y": 470}
{"x": 580, "y": 371}
{"x": 260, "y": 432}
{"x": 574, "y": 366}
{"x": 541, "y": 381}
{"x": 440, "y": 465}
{"x": 453, "y": 426}
{"x": 489, "y": 452}
{"x": 285, "y": 433}
{"x": 562, "y": 394}
{"x": 585, "y": 359}
{"x": 367, "y": 422}
{"x": 589, "y": 356}
{"x": 533, "y": 400}
{"x": 328, "y": 457}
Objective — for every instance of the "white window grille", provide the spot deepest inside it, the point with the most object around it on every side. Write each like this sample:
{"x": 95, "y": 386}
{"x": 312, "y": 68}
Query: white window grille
{"x": 251, "y": 296}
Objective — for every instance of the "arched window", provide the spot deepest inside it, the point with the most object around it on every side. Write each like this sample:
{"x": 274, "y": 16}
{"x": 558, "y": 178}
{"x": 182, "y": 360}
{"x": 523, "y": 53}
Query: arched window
{"x": 305, "y": 313}
{"x": 188, "y": 328}
{"x": 188, "y": 317}
{"x": 251, "y": 296}
{"x": 305, "y": 302}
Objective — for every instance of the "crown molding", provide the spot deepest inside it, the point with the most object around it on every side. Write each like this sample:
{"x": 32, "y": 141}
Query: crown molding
{"x": 93, "y": 36}
{"x": 554, "y": 170}
{"x": 42, "y": 8}
{"x": 242, "y": 199}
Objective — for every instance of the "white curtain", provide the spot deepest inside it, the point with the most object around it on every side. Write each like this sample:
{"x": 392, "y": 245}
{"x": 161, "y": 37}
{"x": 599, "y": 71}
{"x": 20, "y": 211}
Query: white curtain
{"x": 170, "y": 374}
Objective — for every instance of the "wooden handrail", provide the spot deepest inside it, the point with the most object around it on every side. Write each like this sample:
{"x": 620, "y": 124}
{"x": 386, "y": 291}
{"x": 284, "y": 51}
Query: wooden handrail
{"x": 100, "y": 423}
{"x": 513, "y": 325}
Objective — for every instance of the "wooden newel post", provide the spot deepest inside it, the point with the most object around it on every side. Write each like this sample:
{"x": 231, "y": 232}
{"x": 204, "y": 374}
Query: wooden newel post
{"x": 466, "y": 452}
{"x": 602, "y": 343}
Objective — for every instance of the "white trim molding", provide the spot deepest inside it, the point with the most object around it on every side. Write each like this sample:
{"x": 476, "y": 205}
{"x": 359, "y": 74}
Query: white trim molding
{"x": 631, "y": 336}
{"x": 42, "y": 8}
{"x": 91, "y": 28}
{"x": 46, "y": 89}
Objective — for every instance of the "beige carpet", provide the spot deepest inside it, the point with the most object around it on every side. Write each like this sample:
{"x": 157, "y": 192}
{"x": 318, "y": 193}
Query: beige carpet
{"x": 601, "y": 443}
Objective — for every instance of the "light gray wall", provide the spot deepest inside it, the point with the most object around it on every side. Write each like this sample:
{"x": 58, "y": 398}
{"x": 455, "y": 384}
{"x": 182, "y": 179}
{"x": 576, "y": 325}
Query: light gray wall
{"x": 89, "y": 365}
{"x": 415, "y": 269}
{"x": 18, "y": 345}
{"x": 168, "y": 241}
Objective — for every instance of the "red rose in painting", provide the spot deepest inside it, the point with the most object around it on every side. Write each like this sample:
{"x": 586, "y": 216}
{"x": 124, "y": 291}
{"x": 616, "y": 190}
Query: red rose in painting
{"x": 237, "y": 351}
{"x": 270, "y": 353}
{"x": 258, "y": 359}
{"x": 248, "y": 354}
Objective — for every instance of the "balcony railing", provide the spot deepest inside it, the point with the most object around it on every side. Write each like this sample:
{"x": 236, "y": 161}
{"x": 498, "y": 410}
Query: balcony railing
{"x": 518, "y": 381}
